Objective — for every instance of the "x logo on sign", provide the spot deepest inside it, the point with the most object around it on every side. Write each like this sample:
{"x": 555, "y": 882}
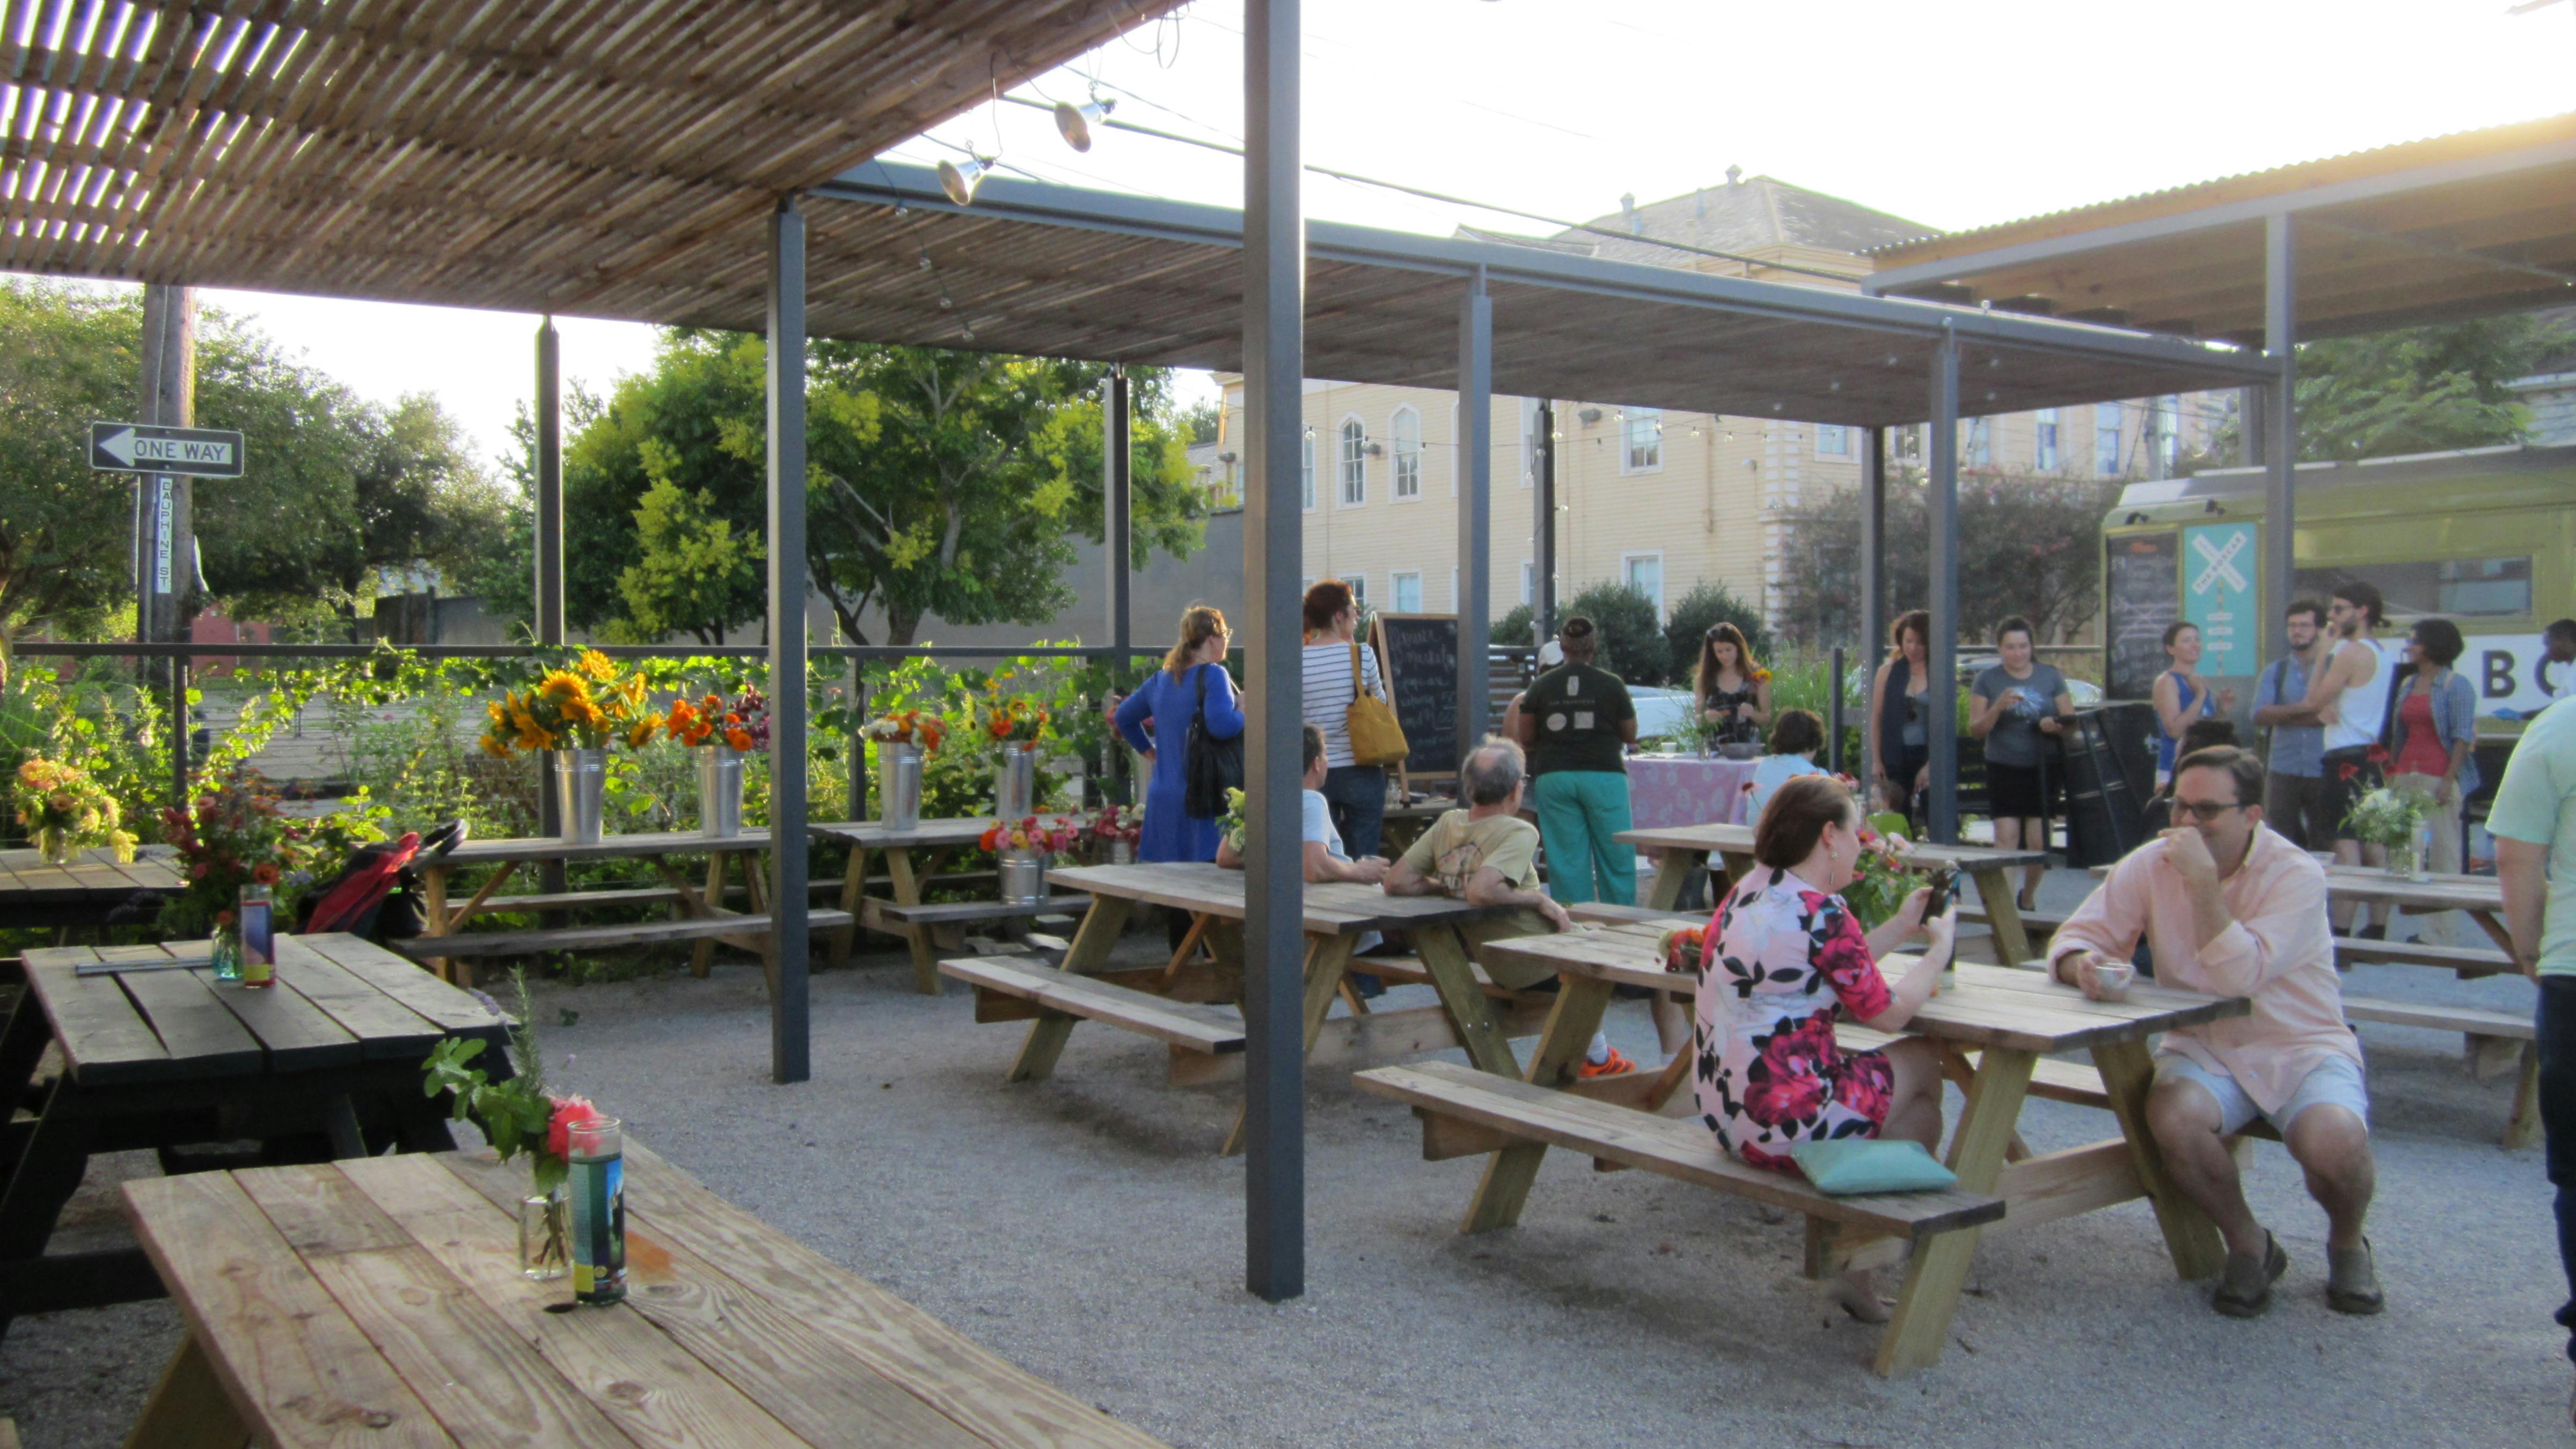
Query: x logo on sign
{"x": 2221, "y": 563}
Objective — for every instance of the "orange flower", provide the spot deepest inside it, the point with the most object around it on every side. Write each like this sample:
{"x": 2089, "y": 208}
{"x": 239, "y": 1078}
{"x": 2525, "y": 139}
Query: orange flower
{"x": 739, "y": 739}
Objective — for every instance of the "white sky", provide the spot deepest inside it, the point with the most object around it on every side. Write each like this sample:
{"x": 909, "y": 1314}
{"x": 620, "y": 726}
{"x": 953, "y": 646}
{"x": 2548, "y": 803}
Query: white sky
{"x": 1956, "y": 114}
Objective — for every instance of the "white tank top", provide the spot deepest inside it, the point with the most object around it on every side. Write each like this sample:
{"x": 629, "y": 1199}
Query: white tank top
{"x": 2363, "y": 706}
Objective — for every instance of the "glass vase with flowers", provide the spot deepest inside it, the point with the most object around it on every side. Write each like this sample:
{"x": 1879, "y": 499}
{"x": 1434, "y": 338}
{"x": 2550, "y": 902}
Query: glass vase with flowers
{"x": 519, "y": 1117}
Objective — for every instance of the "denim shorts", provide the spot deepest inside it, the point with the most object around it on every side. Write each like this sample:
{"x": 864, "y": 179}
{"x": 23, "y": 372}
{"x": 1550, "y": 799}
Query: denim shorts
{"x": 2337, "y": 1079}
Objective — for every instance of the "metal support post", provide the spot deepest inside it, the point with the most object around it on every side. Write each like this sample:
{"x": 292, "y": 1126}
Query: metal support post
{"x": 1274, "y": 355}
{"x": 789, "y": 1037}
{"x": 2280, "y": 430}
{"x": 1543, "y": 529}
{"x": 549, "y": 585}
{"x": 1873, "y": 577}
{"x": 1475, "y": 601}
{"x": 1941, "y": 701}
{"x": 1118, "y": 485}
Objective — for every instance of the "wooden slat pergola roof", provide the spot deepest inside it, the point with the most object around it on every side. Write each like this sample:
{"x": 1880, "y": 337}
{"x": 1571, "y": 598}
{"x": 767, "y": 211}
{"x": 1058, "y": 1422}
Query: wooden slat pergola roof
{"x": 612, "y": 158}
{"x": 2470, "y": 224}
{"x": 1056, "y": 271}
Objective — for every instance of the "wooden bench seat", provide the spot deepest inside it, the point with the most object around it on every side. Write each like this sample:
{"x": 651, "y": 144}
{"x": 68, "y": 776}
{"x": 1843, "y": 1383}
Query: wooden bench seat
{"x": 1607, "y": 913}
{"x": 1678, "y": 1148}
{"x": 465, "y": 944}
{"x": 950, "y": 913}
{"x": 1213, "y": 1030}
{"x": 2466, "y": 960}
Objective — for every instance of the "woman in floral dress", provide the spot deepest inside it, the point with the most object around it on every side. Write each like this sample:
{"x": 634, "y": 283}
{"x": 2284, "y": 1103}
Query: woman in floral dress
{"x": 1786, "y": 960}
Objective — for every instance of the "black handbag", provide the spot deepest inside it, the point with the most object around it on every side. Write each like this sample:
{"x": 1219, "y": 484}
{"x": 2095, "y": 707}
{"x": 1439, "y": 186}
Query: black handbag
{"x": 1210, "y": 767}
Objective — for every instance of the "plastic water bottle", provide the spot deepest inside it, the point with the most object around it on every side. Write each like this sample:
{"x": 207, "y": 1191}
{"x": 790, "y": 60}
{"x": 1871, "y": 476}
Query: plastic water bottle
{"x": 597, "y": 1184}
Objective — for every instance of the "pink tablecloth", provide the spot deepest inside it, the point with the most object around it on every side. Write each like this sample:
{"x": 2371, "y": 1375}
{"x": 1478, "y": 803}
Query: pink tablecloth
{"x": 1666, "y": 791}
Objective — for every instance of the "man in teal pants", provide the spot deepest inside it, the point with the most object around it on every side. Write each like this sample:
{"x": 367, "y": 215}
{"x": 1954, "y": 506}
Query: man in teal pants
{"x": 1575, "y": 722}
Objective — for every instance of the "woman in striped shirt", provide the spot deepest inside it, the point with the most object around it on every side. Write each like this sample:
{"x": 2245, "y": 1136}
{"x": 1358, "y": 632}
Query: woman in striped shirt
{"x": 1354, "y": 793}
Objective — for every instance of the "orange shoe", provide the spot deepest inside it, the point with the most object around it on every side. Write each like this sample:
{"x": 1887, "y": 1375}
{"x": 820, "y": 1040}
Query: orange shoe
{"x": 1614, "y": 1065}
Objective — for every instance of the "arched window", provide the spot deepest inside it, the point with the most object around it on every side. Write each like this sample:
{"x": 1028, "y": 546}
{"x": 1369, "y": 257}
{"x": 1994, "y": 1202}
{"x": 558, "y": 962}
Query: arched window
{"x": 1307, "y": 473}
{"x": 1354, "y": 460}
{"x": 1406, "y": 426}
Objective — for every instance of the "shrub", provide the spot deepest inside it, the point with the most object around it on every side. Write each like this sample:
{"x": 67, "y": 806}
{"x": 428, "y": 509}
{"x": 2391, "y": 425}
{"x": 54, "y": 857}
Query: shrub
{"x": 1514, "y": 627}
{"x": 1692, "y": 617}
{"x": 1632, "y": 638}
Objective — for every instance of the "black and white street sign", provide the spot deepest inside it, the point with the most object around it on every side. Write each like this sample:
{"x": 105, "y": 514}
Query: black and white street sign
{"x": 144, "y": 448}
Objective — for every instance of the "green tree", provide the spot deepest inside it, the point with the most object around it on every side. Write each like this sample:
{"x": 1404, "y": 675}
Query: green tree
{"x": 1201, "y": 421}
{"x": 66, "y": 533}
{"x": 2414, "y": 390}
{"x": 1699, "y": 611}
{"x": 1632, "y": 639}
{"x": 693, "y": 564}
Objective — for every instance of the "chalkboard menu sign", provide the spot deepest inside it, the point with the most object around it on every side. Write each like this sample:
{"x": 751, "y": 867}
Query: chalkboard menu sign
{"x": 1419, "y": 653}
{"x": 2146, "y": 595}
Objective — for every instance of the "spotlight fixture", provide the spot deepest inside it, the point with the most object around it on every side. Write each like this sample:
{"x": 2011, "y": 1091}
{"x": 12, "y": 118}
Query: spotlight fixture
{"x": 2211, "y": 506}
{"x": 1589, "y": 416}
{"x": 2133, "y": 518}
{"x": 1074, "y": 122}
{"x": 960, "y": 180}
{"x": 1376, "y": 449}
{"x": 1225, "y": 457}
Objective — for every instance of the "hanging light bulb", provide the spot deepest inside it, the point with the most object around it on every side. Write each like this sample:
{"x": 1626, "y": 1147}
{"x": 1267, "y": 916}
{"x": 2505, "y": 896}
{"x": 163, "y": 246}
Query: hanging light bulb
{"x": 960, "y": 180}
{"x": 1074, "y": 122}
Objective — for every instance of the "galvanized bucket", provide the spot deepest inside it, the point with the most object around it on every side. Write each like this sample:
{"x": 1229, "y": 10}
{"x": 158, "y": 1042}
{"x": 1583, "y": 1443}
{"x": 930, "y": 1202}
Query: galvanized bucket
{"x": 581, "y": 777}
{"x": 719, "y": 792}
{"x": 899, "y": 786}
{"x": 1015, "y": 784}
{"x": 1023, "y": 877}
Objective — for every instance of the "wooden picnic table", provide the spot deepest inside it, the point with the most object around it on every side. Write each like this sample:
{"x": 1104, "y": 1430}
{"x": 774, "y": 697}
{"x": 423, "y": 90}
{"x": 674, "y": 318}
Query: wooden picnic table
{"x": 2009, "y": 1017}
{"x": 702, "y": 915}
{"x": 162, "y": 1058}
{"x": 2479, "y": 897}
{"x": 84, "y": 893}
{"x": 1404, "y": 824}
{"x": 380, "y": 1301}
{"x": 1686, "y": 850}
{"x": 936, "y": 841}
{"x": 1337, "y": 914}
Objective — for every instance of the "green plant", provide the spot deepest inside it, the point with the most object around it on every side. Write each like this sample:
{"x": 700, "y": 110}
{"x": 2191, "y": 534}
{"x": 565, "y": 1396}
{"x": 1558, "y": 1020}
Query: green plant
{"x": 1699, "y": 610}
{"x": 1514, "y": 628}
{"x": 2389, "y": 816}
{"x": 1632, "y": 638}
{"x": 514, "y": 1114}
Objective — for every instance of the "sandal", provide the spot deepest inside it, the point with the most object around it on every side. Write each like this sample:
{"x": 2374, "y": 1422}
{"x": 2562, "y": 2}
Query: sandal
{"x": 2352, "y": 1281}
{"x": 2246, "y": 1289}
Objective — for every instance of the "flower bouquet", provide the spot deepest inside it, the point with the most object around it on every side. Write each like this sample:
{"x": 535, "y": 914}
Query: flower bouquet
{"x": 516, "y": 1115}
{"x": 1015, "y": 726}
{"x": 1882, "y": 878}
{"x": 1231, "y": 825}
{"x": 2392, "y": 818}
{"x": 906, "y": 727}
{"x": 232, "y": 837}
{"x": 722, "y": 733}
{"x": 1681, "y": 950}
{"x": 578, "y": 713}
{"x": 1021, "y": 851}
{"x": 1116, "y": 830}
{"x": 902, "y": 738}
{"x": 67, "y": 812}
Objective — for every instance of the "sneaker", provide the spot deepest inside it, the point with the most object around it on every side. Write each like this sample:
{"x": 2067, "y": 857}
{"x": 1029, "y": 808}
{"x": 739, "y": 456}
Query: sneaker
{"x": 2246, "y": 1289}
{"x": 2352, "y": 1281}
{"x": 1369, "y": 987}
{"x": 1613, "y": 1065}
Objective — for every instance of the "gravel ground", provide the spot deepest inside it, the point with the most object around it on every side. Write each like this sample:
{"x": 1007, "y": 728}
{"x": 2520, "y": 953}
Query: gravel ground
{"x": 1084, "y": 1228}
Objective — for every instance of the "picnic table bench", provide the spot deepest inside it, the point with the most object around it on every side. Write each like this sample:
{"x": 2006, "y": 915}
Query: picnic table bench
{"x": 1206, "y": 1039}
{"x": 86, "y": 892}
{"x": 912, "y": 858}
{"x": 1996, "y": 1023}
{"x": 161, "y": 1056}
{"x": 380, "y": 1300}
{"x": 703, "y": 918}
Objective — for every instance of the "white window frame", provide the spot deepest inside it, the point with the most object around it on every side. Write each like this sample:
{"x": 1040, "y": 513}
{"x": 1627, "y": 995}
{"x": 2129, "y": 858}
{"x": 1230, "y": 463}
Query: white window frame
{"x": 1629, "y": 421}
{"x": 1308, "y": 472}
{"x": 1456, "y": 604}
{"x": 2044, "y": 452}
{"x": 1395, "y": 591}
{"x": 1627, "y": 575}
{"x": 2116, "y": 434}
{"x": 1977, "y": 449}
{"x": 1359, "y": 587}
{"x": 1350, "y": 462}
{"x": 1833, "y": 440}
{"x": 1529, "y": 582}
{"x": 1396, "y": 456}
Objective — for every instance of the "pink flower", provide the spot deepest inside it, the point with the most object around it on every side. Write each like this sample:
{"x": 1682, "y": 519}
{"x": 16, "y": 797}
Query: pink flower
{"x": 568, "y": 1111}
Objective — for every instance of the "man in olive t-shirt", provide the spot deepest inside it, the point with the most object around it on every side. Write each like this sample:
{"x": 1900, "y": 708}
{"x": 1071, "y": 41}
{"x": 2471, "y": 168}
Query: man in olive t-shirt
{"x": 1576, "y": 722}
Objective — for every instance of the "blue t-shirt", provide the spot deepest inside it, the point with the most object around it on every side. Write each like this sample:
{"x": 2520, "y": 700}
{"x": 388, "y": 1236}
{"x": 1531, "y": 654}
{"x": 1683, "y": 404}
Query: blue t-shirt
{"x": 2298, "y": 750}
{"x": 2536, "y": 804}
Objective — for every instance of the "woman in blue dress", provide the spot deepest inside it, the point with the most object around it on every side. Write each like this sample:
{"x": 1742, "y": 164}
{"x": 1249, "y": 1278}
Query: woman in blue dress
{"x": 1155, "y": 722}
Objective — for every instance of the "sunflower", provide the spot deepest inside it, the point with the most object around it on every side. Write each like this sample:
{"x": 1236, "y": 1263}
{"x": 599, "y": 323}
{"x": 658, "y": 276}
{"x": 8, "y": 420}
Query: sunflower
{"x": 598, "y": 666}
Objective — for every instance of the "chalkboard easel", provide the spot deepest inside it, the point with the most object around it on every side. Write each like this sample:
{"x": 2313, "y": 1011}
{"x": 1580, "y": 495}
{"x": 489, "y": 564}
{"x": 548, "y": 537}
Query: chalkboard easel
{"x": 1418, "y": 656}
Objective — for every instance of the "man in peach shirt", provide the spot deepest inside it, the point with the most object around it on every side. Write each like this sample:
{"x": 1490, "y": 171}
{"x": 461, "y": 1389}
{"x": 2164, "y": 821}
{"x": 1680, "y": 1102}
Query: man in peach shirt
{"x": 2233, "y": 909}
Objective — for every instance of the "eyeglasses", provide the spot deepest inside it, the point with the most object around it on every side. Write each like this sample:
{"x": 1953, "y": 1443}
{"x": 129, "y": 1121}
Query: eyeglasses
{"x": 2205, "y": 811}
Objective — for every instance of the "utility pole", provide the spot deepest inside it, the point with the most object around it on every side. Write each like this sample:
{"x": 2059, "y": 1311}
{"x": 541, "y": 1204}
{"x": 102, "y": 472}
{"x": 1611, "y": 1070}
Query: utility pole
{"x": 166, "y": 562}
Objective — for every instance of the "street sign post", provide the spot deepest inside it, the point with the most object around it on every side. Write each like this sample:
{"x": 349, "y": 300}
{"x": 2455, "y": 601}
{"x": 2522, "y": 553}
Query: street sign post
{"x": 144, "y": 448}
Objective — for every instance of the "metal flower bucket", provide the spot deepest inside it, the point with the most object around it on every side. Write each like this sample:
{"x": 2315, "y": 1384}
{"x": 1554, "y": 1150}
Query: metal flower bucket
{"x": 581, "y": 779}
{"x": 899, "y": 785}
{"x": 1015, "y": 784}
{"x": 1023, "y": 877}
{"x": 719, "y": 792}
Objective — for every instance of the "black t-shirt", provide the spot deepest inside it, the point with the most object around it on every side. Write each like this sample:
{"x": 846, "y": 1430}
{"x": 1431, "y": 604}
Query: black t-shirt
{"x": 1579, "y": 710}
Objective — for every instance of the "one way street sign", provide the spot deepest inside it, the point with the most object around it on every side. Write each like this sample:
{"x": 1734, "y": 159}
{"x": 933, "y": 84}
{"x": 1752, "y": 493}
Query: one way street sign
{"x": 143, "y": 448}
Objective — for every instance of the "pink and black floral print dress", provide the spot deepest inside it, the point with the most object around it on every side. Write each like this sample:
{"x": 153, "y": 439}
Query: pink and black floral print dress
{"x": 1784, "y": 961}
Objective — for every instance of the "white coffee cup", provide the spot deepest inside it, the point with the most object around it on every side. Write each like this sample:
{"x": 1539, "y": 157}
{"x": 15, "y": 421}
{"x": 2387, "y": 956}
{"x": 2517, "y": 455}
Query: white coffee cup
{"x": 2111, "y": 980}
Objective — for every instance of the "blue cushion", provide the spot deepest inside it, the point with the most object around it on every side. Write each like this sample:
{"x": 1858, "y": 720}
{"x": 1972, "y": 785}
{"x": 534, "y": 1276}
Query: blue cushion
{"x": 1852, "y": 1166}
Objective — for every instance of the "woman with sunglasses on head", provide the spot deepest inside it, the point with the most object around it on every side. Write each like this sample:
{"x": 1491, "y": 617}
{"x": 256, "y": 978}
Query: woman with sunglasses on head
{"x": 1155, "y": 722}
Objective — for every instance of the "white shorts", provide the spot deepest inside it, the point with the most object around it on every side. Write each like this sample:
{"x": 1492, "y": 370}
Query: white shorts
{"x": 2337, "y": 1079}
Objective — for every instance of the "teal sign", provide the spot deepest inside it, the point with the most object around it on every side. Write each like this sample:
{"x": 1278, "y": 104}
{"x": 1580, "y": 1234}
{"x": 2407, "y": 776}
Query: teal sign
{"x": 2218, "y": 572}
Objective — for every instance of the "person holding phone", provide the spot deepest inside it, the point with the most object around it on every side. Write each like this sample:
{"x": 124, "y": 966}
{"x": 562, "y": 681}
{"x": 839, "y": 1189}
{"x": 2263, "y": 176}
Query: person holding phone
{"x": 2233, "y": 909}
{"x": 2019, "y": 706}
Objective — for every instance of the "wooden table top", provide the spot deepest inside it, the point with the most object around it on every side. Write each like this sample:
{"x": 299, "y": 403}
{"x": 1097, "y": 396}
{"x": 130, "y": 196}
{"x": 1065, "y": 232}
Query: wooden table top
{"x": 929, "y": 834}
{"x": 24, "y": 875}
{"x": 2369, "y": 883}
{"x": 339, "y": 1001}
{"x": 380, "y": 1299}
{"x": 610, "y": 847}
{"x": 1335, "y": 908}
{"x": 2006, "y": 1006}
{"x": 1739, "y": 839}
